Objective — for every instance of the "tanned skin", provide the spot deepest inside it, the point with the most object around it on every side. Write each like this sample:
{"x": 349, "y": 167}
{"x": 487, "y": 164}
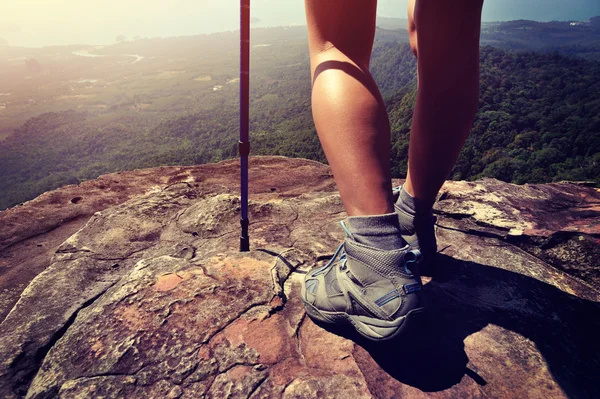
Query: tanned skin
{"x": 349, "y": 112}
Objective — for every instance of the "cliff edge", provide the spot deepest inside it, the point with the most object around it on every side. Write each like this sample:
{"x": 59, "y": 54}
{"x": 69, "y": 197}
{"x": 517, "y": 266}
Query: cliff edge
{"x": 132, "y": 286}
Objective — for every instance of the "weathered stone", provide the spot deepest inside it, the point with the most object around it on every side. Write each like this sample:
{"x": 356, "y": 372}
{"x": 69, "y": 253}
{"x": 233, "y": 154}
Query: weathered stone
{"x": 151, "y": 298}
{"x": 32, "y": 232}
{"x": 335, "y": 386}
{"x": 237, "y": 382}
{"x": 558, "y": 223}
{"x": 109, "y": 387}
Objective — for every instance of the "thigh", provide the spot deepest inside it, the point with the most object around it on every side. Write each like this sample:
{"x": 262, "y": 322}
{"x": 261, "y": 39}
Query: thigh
{"x": 345, "y": 25}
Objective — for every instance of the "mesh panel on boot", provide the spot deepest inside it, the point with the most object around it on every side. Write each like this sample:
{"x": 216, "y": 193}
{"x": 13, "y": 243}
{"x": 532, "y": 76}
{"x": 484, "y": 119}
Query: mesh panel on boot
{"x": 385, "y": 262}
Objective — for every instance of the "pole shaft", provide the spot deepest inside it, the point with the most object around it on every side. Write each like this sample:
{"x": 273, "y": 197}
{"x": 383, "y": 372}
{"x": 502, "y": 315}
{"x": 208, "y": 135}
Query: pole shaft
{"x": 244, "y": 148}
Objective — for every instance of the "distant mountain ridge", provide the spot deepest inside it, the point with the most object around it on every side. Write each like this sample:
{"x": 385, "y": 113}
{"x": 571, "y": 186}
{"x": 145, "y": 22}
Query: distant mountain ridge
{"x": 580, "y": 38}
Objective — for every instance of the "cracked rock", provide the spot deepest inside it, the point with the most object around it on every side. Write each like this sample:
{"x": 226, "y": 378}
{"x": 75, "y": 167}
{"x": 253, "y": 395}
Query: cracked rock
{"x": 513, "y": 297}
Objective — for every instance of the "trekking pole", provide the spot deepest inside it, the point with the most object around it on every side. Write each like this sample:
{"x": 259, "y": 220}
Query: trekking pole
{"x": 244, "y": 144}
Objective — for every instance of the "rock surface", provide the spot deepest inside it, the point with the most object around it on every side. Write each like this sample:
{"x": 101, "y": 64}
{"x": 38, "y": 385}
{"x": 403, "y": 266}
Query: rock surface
{"x": 143, "y": 292}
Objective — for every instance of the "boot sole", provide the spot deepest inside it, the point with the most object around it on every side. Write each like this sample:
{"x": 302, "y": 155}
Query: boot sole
{"x": 369, "y": 327}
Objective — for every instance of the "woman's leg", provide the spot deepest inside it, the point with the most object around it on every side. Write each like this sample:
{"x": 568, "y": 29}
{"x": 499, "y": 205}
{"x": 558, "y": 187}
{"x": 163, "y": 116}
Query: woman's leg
{"x": 348, "y": 110}
{"x": 444, "y": 35}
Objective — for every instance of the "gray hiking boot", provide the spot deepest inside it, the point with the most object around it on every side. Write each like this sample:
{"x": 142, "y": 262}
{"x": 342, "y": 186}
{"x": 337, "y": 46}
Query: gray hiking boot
{"x": 418, "y": 232}
{"x": 373, "y": 290}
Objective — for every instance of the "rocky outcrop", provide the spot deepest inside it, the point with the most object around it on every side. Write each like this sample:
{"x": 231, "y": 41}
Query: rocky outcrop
{"x": 151, "y": 298}
{"x": 32, "y": 232}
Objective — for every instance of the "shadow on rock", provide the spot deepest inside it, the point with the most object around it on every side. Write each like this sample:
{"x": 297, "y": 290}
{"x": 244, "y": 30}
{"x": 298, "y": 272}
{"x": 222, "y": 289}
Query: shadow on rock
{"x": 463, "y": 298}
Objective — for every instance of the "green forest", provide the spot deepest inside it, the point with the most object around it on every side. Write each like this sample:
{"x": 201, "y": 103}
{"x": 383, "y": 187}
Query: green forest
{"x": 538, "y": 118}
{"x": 538, "y": 121}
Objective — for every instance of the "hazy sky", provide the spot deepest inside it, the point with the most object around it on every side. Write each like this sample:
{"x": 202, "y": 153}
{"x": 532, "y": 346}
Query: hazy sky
{"x": 46, "y": 22}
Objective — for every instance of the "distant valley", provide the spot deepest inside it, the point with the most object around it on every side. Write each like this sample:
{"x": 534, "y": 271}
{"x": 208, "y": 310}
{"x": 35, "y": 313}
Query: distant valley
{"x": 71, "y": 113}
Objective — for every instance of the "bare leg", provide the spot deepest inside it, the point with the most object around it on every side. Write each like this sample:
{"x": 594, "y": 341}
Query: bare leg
{"x": 348, "y": 110}
{"x": 444, "y": 35}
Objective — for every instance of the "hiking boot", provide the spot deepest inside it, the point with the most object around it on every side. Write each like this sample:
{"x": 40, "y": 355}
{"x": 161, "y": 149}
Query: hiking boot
{"x": 418, "y": 231}
{"x": 373, "y": 290}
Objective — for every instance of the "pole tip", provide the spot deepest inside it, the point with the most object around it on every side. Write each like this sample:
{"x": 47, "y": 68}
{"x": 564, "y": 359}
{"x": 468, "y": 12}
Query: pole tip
{"x": 244, "y": 244}
{"x": 244, "y": 238}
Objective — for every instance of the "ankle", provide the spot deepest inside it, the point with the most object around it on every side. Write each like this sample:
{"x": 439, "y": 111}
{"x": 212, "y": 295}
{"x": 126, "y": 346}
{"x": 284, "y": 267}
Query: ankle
{"x": 411, "y": 205}
{"x": 378, "y": 231}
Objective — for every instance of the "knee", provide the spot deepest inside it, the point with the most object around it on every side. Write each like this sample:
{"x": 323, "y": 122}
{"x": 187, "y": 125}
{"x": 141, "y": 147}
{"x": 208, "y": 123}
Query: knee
{"x": 412, "y": 27}
{"x": 437, "y": 22}
{"x": 338, "y": 29}
{"x": 412, "y": 38}
{"x": 331, "y": 52}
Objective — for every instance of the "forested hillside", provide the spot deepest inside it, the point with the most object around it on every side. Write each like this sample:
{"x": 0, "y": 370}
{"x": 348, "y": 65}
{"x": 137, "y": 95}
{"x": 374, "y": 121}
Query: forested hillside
{"x": 538, "y": 121}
